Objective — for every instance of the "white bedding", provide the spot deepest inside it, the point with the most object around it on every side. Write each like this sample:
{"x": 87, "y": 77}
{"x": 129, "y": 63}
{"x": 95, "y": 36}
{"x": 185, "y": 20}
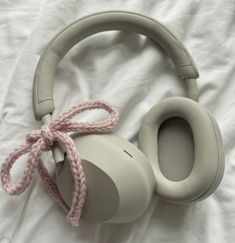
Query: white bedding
{"x": 133, "y": 74}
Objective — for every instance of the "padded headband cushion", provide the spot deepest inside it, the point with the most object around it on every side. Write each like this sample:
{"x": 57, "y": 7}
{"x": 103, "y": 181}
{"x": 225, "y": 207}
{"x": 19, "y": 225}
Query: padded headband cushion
{"x": 208, "y": 162}
{"x": 114, "y": 20}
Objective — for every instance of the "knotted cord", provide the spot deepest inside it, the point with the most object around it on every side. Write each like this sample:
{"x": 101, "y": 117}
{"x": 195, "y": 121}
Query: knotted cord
{"x": 42, "y": 140}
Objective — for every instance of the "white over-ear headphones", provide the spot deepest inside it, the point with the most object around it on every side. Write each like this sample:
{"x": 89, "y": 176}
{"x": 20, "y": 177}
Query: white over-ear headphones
{"x": 121, "y": 179}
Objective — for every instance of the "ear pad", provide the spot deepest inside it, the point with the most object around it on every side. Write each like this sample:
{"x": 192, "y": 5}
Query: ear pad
{"x": 184, "y": 145}
{"x": 120, "y": 179}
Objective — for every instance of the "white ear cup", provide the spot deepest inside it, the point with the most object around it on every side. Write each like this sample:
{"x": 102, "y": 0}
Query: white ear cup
{"x": 120, "y": 180}
{"x": 207, "y": 153}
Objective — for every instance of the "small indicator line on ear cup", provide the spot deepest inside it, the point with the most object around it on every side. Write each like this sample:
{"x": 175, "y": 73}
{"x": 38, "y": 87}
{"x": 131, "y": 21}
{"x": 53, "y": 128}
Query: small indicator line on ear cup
{"x": 128, "y": 153}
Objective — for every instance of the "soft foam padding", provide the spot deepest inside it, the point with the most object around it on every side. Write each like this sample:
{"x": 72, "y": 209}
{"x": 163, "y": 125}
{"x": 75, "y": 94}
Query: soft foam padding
{"x": 175, "y": 149}
{"x": 113, "y": 20}
{"x": 208, "y": 164}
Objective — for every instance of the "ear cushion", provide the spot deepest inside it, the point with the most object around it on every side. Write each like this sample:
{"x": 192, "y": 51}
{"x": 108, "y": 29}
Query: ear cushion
{"x": 207, "y": 167}
{"x": 221, "y": 165}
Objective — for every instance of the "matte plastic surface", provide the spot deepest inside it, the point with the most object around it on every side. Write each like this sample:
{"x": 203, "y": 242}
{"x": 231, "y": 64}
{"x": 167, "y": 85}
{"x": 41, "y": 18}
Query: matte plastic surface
{"x": 113, "y": 20}
{"x": 120, "y": 180}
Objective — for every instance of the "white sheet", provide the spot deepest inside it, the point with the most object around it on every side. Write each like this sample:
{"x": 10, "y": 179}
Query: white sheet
{"x": 133, "y": 74}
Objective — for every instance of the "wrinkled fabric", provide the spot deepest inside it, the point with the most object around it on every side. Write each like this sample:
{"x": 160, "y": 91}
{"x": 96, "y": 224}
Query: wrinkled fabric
{"x": 133, "y": 74}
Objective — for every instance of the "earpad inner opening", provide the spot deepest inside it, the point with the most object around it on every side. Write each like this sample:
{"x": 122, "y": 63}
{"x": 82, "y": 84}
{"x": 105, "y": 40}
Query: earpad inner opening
{"x": 175, "y": 148}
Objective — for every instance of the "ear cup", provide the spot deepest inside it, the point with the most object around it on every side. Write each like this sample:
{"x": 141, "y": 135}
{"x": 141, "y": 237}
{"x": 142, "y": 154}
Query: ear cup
{"x": 183, "y": 143}
{"x": 120, "y": 179}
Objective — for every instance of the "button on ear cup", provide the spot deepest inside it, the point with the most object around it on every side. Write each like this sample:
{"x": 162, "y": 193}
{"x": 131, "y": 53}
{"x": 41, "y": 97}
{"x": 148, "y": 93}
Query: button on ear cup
{"x": 201, "y": 143}
{"x": 120, "y": 179}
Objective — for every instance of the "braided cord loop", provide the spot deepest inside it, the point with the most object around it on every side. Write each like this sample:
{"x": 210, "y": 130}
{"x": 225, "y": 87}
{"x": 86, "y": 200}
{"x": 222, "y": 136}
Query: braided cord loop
{"x": 42, "y": 140}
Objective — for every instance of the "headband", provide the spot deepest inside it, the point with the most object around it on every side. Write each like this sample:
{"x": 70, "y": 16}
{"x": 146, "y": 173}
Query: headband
{"x": 43, "y": 103}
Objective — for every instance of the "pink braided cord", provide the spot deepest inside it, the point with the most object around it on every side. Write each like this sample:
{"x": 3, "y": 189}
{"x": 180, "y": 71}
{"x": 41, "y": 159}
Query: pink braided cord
{"x": 42, "y": 140}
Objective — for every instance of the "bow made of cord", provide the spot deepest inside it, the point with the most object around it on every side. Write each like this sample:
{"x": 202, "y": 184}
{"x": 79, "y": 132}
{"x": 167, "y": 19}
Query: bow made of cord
{"x": 39, "y": 141}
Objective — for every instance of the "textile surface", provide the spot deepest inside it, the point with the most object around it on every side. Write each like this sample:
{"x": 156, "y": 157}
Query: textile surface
{"x": 133, "y": 74}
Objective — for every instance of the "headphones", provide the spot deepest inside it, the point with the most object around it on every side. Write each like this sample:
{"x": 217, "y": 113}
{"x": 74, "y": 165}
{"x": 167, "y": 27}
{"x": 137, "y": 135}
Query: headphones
{"x": 121, "y": 178}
